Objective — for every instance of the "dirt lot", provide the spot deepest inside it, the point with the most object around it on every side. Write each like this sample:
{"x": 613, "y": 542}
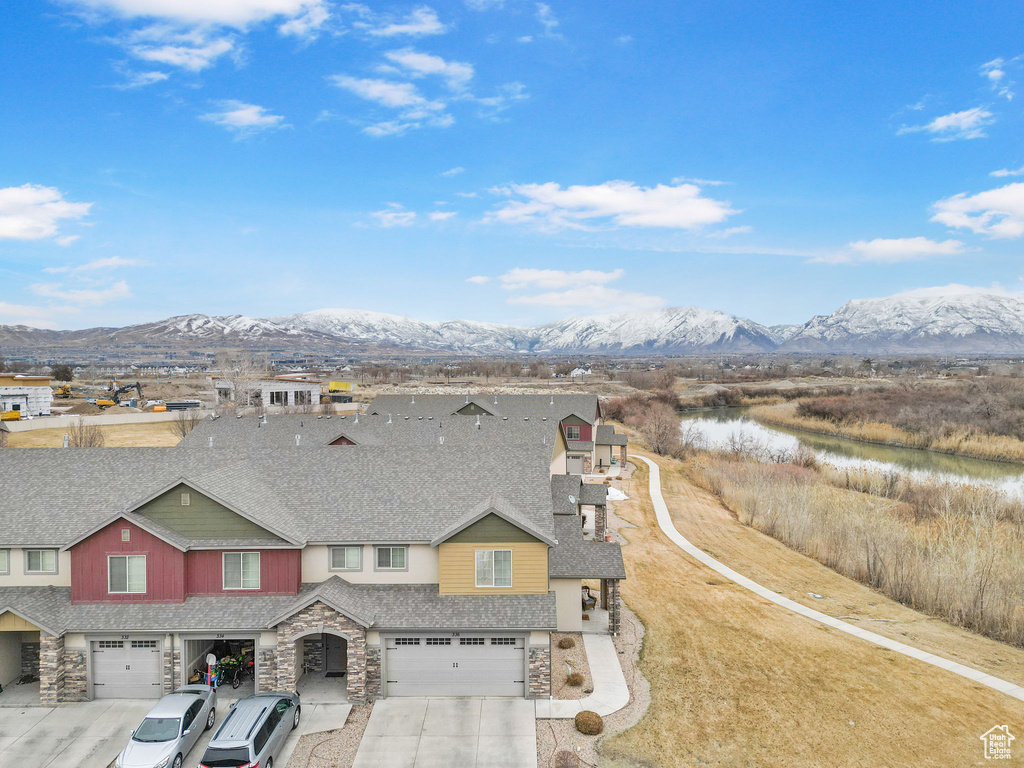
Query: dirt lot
{"x": 737, "y": 681}
{"x": 115, "y": 436}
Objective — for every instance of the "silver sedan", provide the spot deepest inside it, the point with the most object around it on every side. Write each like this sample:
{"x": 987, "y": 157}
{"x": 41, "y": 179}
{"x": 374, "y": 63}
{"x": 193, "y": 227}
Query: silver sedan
{"x": 171, "y": 729}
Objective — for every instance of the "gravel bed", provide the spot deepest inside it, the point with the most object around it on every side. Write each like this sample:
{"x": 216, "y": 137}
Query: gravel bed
{"x": 566, "y": 660}
{"x": 332, "y": 749}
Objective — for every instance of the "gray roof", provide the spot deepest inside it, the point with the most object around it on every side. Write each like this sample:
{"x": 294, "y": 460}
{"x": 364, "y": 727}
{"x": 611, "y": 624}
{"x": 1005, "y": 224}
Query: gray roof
{"x": 594, "y": 493}
{"x": 386, "y": 606}
{"x": 562, "y": 488}
{"x": 400, "y": 494}
{"x": 605, "y": 434}
{"x": 251, "y": 432}
{"x": 580, "y": 445}
{"x": 574, "y": 557}
{"x": 499, "y": 506}
{"x": 556, "y": 407}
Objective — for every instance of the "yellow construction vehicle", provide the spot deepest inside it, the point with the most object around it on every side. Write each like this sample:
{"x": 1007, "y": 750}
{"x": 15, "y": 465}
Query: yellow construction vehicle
{"x": 63, "y": 391}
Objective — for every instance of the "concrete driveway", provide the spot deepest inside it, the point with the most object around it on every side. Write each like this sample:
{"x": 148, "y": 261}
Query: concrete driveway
{"x": 89, "y": 734}
{"x": 443, "y": 733}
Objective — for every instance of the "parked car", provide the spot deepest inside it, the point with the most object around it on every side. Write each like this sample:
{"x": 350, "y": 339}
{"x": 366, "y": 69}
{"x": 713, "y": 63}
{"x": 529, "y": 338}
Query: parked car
{"x": 171, "y": 729}
{"x": 254, "y": 732}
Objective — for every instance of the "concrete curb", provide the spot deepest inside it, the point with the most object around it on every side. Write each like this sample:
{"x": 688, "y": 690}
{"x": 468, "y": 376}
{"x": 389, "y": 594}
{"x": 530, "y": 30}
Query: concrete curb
{"x": 669, "y": 529}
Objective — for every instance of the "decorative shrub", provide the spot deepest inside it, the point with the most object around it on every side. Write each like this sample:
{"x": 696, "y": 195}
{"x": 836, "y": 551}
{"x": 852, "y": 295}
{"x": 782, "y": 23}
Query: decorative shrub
{"x": 566, "y": 642}
{"x": 574, "y": 679}
{"x": 589, "y": 723}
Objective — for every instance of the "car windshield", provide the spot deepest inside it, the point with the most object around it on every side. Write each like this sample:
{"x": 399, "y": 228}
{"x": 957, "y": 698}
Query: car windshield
{"x": 157, "y": 729}
{"x": 227, "y": 757}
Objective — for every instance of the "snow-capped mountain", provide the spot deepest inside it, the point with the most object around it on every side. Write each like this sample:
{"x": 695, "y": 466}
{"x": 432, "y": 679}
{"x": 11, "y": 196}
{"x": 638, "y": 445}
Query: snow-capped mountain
{"x": 951, "y": 320}
{"x": 921, "y": 322}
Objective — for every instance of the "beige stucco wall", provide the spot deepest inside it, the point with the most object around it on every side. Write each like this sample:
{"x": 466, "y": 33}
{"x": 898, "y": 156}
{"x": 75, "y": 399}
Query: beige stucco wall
{"x": 10, "y": 657}
{"x": 18, "y": 577}
{"x": 75, "y": 640}
{"x": 422, "y": 567}
{"x": 458, "y": 568}
{"x": 558, "y": 464}
{"x": 603, "y": 455}
{"x": 568, "y": 604}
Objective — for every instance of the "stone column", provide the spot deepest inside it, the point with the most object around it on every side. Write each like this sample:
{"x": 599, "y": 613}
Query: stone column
{"x": 540, "y": 671}
{"x": 600, "y": 521}
{"x": 267, "y": 670}
{"x": 622, "y": 456}
{"x": 614, "y": 606}
{"x": 313, "y": 653}
{"x": 30, "y": 659}
{"x": 51, "y": 668}
{"x": 588, "y": 463}
{"x": 373, "y": 669}
{"x": 76, "y": 684}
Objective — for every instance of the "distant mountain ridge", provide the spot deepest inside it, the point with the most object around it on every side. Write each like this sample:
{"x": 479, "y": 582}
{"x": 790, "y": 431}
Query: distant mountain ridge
{"x": 913, "y": 323}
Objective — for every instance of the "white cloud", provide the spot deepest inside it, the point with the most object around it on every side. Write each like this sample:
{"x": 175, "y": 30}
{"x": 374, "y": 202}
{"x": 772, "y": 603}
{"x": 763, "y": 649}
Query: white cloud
{"x": 233, "y": 13}
{"x": 969, "y": 124}
{"x": 483, "y": 5}
{"x": 466, "y": 194}
{"x": 958, "y": 289}
{"x": 552, "y": 279}
{"x": 418, "y": 22}
{"x": 524, "y": 39}
{"x": 244, "y": 119}
{"x": 33, "y": 212}
{"x": 610, "y": 299}
{"x": 453, "y": 171}
{"x": 66, "y": 240}
{"x": 190, "y": 49}
{"x": 90, "y": 296}
{"x": 394, "y": 216}
{"x": 141, "y": 80}
{"x": 442, "y": 215}
{"x": 619, "y": 203}
{"x": 36, "y": 317}
{"x": 1008, "y": 172}
{"x": 414, "y": 109}
{"x": 478, "y": 279}
{"x": 106, "y": 263}
{"x": 698, "y": 182}
{"x": 308, "y": 25}
{"x": 995, "y": 72}
{"x": 998, "y": 213}
{"x": 456, "y": 73}
{"x": 509, "y": 93}
{"x": 722, "y": 234}
{"x": 893, "y": 250}
{"x": 547, "y": 19}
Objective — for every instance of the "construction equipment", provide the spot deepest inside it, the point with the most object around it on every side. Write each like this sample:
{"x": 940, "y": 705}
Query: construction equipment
{"x": 63, "y": 391}
{"x": 115, "y": 393}
{"x": 10, "y": 416}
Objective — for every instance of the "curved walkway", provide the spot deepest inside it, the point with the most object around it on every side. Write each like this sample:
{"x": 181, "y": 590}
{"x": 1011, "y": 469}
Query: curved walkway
{"x": 669, "y": 529}
{"x": 611, "y": 693}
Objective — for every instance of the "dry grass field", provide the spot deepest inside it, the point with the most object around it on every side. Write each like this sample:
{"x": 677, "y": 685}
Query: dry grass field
{"x": 738, "y": 682}
{"x": 157, "y": 434}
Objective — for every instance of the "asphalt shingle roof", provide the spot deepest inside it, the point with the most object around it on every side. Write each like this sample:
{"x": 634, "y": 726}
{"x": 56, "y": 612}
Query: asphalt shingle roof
{"x": 556, "y": 407}
{"x": 574, "y": 557}
{"x": 605, "y": 434}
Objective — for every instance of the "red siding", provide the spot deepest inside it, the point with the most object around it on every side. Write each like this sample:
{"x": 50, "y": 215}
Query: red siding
{"x": 280, "y": 572}
{"x": 342, "y": 441}
{"x": 585, "y": 430}
{"x": 165, "y": 566}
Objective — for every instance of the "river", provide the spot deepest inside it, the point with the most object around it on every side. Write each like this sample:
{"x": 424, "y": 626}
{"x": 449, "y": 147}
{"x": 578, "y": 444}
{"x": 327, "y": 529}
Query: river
{"x": 725, "y": 427}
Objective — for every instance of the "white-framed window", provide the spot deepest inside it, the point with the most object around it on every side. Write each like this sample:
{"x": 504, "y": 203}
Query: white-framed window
{"x": 303, "y": 398}
{"x": 494, "y": 567}
{"x": 126, "y": 574}
{"x": 347, "y": 558}
{"x": 392, "y": 559}
{"x": 40, "y": 561}
{"x": 279, "y": 398}
{"x": 572, "y": 432}
{"x": 5, "y": 562}
{"x": 241, "y": 570}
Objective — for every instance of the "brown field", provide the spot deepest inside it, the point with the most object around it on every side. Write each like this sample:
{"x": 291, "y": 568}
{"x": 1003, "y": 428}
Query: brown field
{"x": 157, "y": 434}
{"x": 737, "y": 681}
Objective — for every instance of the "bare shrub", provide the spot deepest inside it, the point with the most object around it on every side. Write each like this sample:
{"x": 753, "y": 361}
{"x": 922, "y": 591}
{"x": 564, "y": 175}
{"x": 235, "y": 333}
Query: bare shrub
{"x": 589, "y": 723}
{"x": 82, "y": 435}
{"x": 566, "y": 759}
{"x": 660, "y": 429}
{"x": 566, "y": 642}
{"x": 575, "y": 679}
{"x": 185, "y": 421}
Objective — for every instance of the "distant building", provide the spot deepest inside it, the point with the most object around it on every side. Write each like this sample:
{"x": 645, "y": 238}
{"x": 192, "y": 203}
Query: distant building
{"x": 30, "y": 395}
{"x": 275, "y": 390}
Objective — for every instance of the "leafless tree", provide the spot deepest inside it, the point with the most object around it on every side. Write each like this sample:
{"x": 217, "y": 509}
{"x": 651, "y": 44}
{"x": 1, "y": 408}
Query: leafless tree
{"x": 661, "y": 429}
{"x": 243, "y": 373}
{"x": 82, "y": 435}
{"x": 185, "y": 421}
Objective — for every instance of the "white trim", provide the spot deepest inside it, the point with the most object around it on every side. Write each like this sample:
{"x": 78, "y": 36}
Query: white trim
{"x": 376, "y": 562}
{"x": 357, "y": 547}
{"x": 127, "y": 580}
{"x": 476, "y": 569}
{"x": 241, "y": 576}
{"x": 6, "y": 571}
{"x": 56, "y": 563}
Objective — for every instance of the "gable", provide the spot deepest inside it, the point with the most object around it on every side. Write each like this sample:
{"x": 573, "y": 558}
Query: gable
{"x": 203, "y": 518}
{"x": 472, "y": 409}
{"x": 575, "y": 420}
{"x": 491, "y": 529}
{"x": 11, "y": 622}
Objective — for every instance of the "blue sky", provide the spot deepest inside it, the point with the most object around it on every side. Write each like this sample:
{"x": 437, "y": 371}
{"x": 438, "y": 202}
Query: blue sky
{"x": 503, "y": 161}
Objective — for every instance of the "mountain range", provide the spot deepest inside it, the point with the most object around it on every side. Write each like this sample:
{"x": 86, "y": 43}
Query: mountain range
{"x": 917, "y": 322}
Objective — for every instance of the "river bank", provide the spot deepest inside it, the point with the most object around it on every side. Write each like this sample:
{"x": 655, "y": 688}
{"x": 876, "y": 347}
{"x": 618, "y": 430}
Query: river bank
{"x": 951, "y": 441}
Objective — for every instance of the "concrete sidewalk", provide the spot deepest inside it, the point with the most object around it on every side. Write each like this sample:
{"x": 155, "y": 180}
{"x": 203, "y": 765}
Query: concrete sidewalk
{"x": 669, "y": 529}
{"x": 610, "y": 690}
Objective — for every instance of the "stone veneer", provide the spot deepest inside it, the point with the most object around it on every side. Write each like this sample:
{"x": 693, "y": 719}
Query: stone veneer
{"x": 600, "y": 521}
{"x": 51, "y": 668}
{"x": 76, "y": 684}
{"x": 588, "y": 464}
{"x": 540, "y": 671}
{"x": 373, "y": 679}
{"x": 313, "y": 653}
{"x": 30, "y": 659}
{"x": 622, "y": 456}
{"x": 172, "y": 669}
{"x": 266, "y": 663}
{"x": 320, "y": 618}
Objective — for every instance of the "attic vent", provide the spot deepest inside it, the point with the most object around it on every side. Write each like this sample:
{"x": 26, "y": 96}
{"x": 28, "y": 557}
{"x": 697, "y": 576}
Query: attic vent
{"x": 495, "y": 399}
{"x": 330, "y": 417}
{"x": 478, "y": 421}
{"x": 467, "y": 399}
{"x": 126, "y": 534}
{"x": 430, "y": 418}
{"x": 186, "y": 499}
{"x": 526, "y": 418}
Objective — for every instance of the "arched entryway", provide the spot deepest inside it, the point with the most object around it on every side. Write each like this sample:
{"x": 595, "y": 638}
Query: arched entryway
{"x": 323, "y": 651}
{"x": 321, "y": 661}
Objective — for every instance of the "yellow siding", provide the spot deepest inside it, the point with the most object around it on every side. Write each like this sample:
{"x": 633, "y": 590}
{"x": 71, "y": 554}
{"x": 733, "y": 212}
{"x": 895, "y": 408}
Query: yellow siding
{"x": 457, "y": 564}
{"x": 11, "y": 623}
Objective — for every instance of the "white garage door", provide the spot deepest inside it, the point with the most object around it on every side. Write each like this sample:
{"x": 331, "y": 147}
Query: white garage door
{"x": 456, "y": 665}
{"x": 126, "y": 669}
{"x": 574, "y": 463}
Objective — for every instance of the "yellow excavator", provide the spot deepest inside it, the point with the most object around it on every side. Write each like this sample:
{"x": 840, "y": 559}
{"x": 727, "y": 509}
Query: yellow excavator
{"x": 63, "y": 391}
{"x": 114, "y": 398}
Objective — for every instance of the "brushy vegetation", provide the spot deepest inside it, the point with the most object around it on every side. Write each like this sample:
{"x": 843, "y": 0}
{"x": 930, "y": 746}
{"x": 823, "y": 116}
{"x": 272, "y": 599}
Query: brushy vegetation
{"x": 566, "y": 643}
{"x": 589, "y": 723}
{"x": 949, "y": 550}
{"x": 575, "y": 679}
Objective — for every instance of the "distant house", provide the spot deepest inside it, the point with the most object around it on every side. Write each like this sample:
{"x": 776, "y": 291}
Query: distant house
{"x": 285, "y": 391}
{"x": 29, "y": 395}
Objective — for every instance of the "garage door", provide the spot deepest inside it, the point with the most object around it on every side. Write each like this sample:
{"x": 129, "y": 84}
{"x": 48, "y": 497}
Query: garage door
{"x": 574, "y": 463}
{"x": 126, "y": 669}
{"x": 456, "y": 665}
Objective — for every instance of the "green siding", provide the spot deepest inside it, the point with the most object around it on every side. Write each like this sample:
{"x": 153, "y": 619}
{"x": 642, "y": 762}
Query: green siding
{"x": 492, "y": 529}
{"x": 575, "y": 420}
{"x": 472, "y": 409}
{"x": 203, "y": 518}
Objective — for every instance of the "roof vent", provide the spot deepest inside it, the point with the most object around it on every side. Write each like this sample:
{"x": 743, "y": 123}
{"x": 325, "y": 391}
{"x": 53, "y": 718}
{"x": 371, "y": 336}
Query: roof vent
{"x": 406, "y": 418}
{"x": 552, "y": 400}
{"x": 478, "y": 421}
{"x": 543, "y": 418}
{"x": 319, "y": 417}
{"x": 467, "y": 398}
{"x": 389, "y": 418}
{"x": 67, "y": 440}
{"x": 440, "y": 439}
{"x": 356, "y": 419}
{"x": 420, "y": 418}
{"x": 430, "y": 418}
{"x": 495, "y": 399}
{"x": 504, "y": 418}
{"x": 298, "y": 439}
{"x": 526, "y": 418}
{"x": 414, "y": 399}
{"x": 237, "y": 417}
{"x": 329, "y": 416}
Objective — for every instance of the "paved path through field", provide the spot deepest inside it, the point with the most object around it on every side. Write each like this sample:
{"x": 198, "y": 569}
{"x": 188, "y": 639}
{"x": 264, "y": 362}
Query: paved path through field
{"x": 669, "y": 529}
